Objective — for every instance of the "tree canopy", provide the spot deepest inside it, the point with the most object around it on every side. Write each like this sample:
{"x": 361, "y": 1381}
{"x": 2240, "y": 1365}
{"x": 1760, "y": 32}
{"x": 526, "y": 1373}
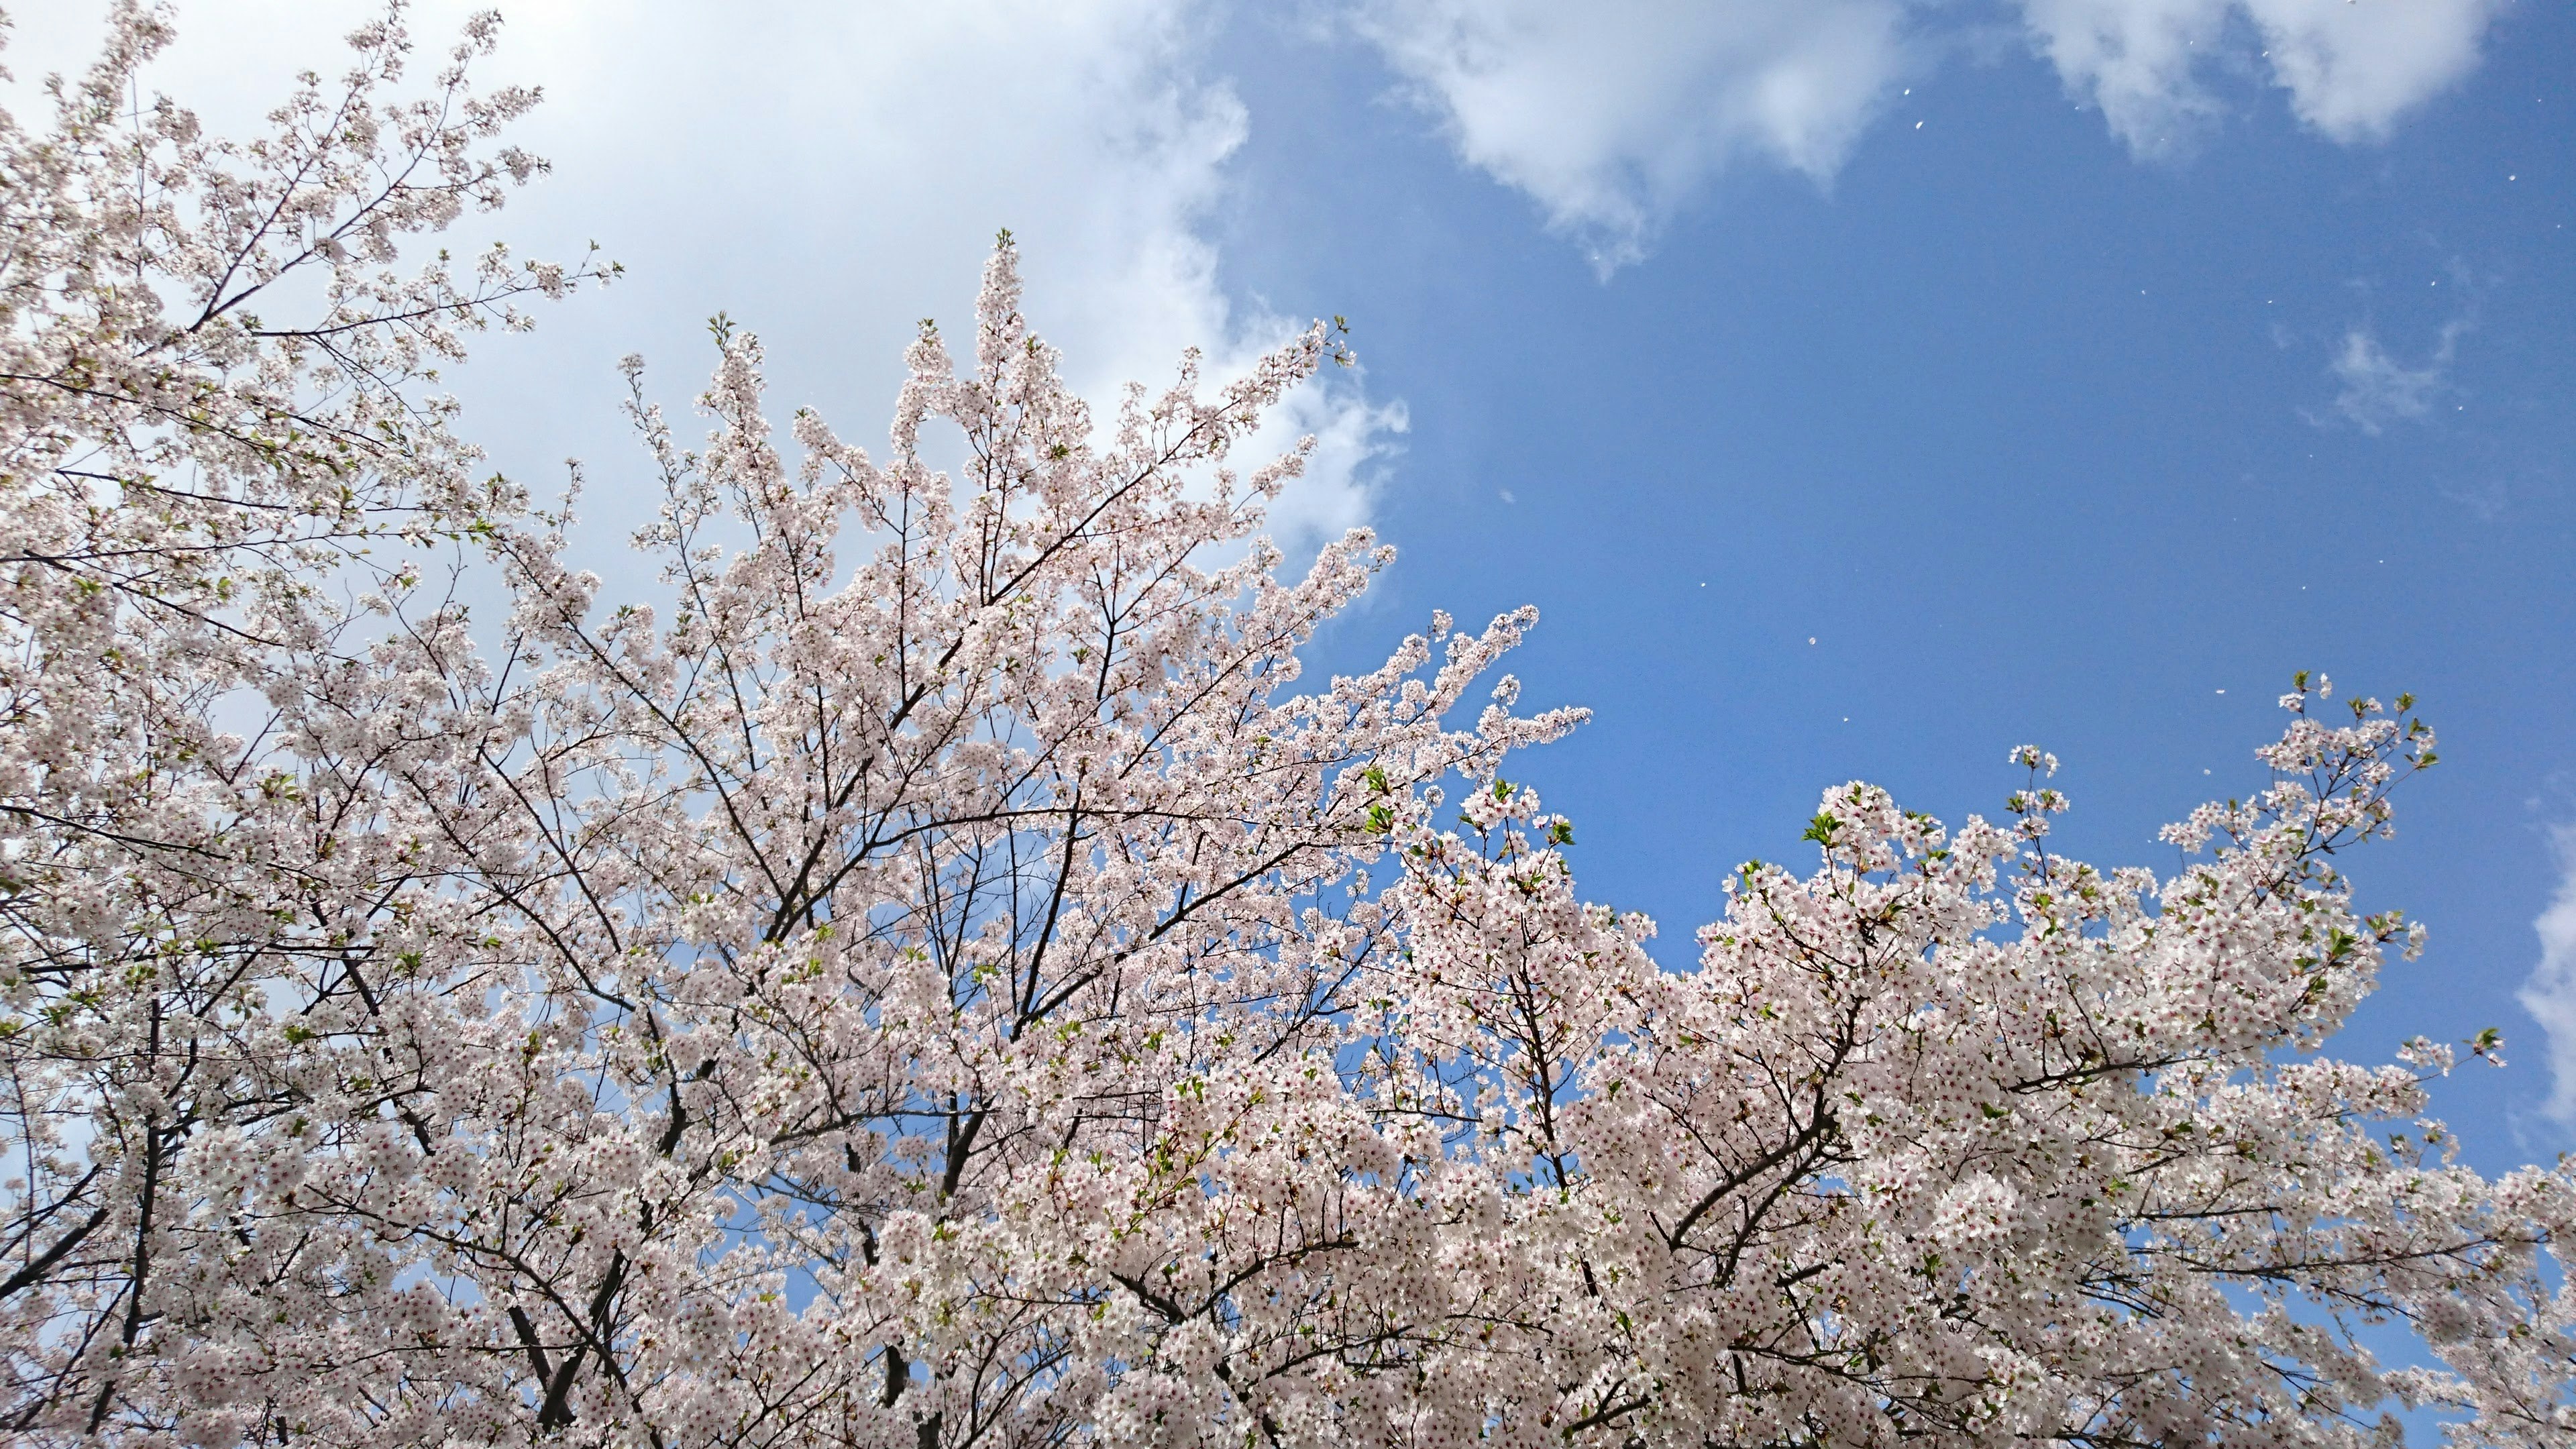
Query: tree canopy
{"x": 935, "y": 972}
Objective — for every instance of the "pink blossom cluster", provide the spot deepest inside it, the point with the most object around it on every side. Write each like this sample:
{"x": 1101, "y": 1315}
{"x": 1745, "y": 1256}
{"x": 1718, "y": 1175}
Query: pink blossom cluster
{"x": 937, "y": 973}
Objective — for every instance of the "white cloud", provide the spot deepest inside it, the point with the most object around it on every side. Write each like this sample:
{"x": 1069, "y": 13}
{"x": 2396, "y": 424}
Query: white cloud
{"x": 828, "y": 173}
{"x": 2352, "y": 70}
{"x": 2378, "y": 389}
{"x": 2550, "y": 994}
{"x": 1612, "y": 114}
{"x": 2135, "y": 59}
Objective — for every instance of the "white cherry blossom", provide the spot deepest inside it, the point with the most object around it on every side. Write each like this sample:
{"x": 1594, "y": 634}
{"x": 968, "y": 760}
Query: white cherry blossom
{"x": 935, "y": 971}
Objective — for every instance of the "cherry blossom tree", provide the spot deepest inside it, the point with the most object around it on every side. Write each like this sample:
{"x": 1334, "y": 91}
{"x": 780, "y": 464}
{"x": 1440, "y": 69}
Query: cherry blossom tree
{"x": 217, "y": 423}
{"x": 934, "y": 971}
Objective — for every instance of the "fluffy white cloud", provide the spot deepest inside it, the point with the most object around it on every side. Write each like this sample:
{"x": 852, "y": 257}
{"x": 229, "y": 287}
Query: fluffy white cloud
{"x": 2136, "y": 60}
{"x": 1611, "y": 114}
{"x": 2550, "y": 995}
{"x": 2352, "y": 69}
{"x": 827, "y": 173}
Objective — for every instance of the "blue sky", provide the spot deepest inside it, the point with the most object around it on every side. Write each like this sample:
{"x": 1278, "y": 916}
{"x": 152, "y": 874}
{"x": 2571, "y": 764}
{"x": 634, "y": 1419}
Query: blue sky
{"x": 2037, "y": 440}
{"x": 2068, "y": 371}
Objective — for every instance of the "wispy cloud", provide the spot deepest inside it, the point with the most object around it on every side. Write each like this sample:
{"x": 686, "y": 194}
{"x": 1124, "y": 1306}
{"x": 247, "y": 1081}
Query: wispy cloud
{"x": 2550, "y": 994}
{"x": 2378, "y": 390}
